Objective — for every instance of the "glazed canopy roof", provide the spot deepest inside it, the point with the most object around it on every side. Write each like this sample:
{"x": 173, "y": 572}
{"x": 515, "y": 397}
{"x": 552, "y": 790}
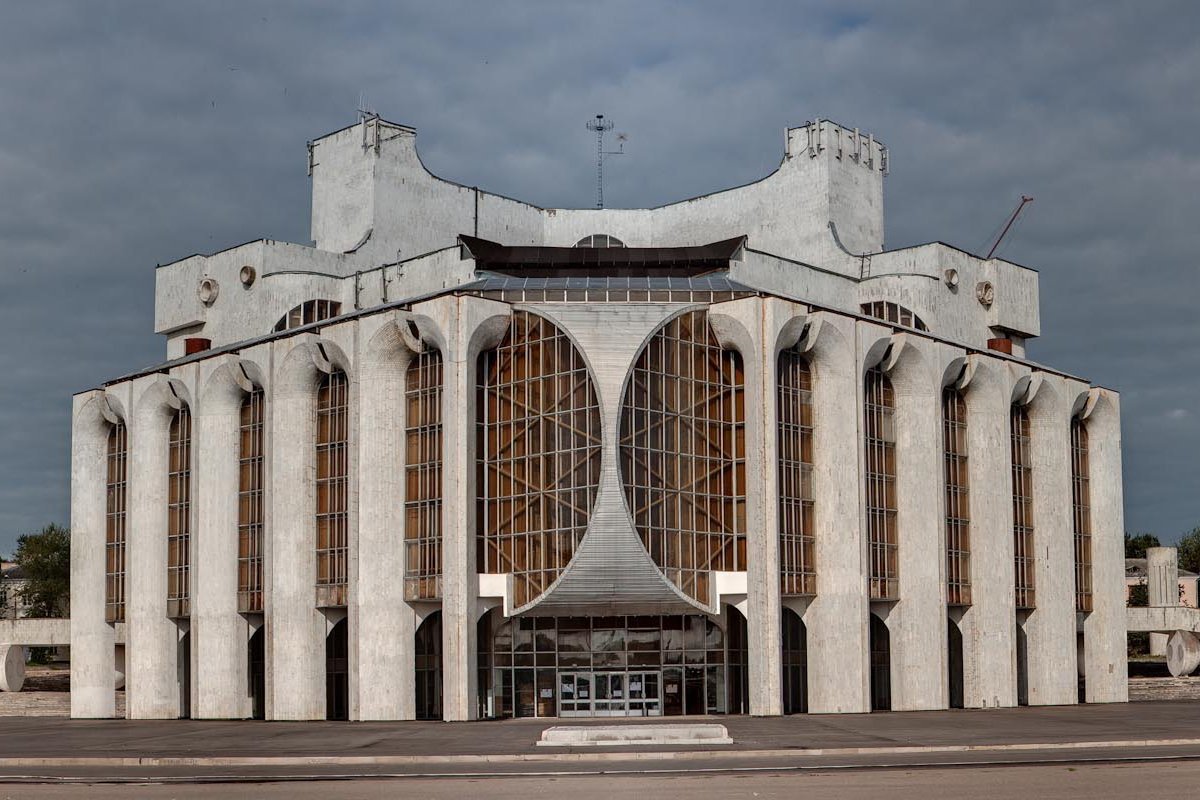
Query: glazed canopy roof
{"x": 562, "y": 262}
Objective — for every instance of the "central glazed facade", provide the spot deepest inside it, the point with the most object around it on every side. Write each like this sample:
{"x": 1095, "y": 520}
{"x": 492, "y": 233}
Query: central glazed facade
{"x": 723, "y": 456}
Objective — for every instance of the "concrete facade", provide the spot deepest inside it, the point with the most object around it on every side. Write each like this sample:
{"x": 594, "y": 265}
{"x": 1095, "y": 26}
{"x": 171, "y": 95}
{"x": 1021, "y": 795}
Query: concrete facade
{"x": 808, "y": 263}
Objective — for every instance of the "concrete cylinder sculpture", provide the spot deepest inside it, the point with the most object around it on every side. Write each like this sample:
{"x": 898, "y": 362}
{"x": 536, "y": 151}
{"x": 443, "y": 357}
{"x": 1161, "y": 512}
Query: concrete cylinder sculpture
{"x": 1183, "y": 653}
{"x": 12, "y": 667}
{"x": 1162, "y": 587}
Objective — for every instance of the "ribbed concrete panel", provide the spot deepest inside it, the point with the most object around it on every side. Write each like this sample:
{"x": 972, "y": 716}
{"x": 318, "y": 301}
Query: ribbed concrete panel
{"x": 611, "y": 572}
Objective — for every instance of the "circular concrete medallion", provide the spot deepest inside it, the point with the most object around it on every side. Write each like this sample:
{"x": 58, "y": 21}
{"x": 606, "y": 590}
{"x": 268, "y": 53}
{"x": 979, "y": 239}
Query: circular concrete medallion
{"x": 1183, "y": 653}
{"x": 12, "y": 667}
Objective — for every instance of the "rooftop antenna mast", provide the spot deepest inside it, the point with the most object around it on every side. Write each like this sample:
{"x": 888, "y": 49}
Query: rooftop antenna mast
{"x": 1008, "y": 226}
{"x": 601, "y": 125}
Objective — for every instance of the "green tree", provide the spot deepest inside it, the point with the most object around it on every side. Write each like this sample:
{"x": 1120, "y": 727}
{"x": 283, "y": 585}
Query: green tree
{"x": 1135, "y": 546}
{"x": 45, "y": 558}
{"x": 1189, "y": 550}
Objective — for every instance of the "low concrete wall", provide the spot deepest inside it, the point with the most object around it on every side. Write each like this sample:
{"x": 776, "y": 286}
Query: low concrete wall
{"x": 1141, "y": 689}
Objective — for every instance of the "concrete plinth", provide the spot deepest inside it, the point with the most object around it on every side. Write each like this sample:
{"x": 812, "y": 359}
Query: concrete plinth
{"x": 619, "y": 735}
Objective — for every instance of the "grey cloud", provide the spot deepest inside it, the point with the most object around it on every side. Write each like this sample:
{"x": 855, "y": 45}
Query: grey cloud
{"x": 137, "y": 133}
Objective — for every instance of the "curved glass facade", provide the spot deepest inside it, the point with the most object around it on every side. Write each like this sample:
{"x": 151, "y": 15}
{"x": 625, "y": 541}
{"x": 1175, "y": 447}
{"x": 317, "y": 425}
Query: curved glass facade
{"x": 538, "y": 453}
{"x": 683, "y": 453}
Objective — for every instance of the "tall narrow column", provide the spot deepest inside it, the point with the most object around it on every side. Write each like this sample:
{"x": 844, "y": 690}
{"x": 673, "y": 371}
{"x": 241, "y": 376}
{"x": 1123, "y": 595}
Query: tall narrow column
{"x": 1162, "y": 587}
{"x": 152, "y": 645}
{"x": 989, "y": 668}
{"x": 1104, "y": 650}
{"x": 917, "y": 621}
{"x": 384, "y": 623}
{"x": 218, "y": 632}
{"x": 836, "y": 619}
{"x": 295, "y": 629}
{"x": 759, "y": 328}
{"x": 1051, "y": 627}
{"x": 465, "y": 326}
{"x": 92, "y": 640}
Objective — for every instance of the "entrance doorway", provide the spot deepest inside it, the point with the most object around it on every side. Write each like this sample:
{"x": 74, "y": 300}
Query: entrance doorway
{"x": 257, "y": 678}
{"x": 609, "y": 694}
{"x": 954, "y": 663}
{"x": 428, "y": 667}
{"x": 881, "y": 665}
{"x": 337, "y": 673}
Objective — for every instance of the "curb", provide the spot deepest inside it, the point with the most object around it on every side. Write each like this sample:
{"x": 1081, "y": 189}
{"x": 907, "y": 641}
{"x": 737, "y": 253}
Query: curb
{"x": 511, "y": 758}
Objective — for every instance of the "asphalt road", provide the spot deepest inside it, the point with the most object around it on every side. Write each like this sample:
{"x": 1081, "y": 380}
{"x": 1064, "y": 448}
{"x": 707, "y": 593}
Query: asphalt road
{"x": 1094, "y": 781}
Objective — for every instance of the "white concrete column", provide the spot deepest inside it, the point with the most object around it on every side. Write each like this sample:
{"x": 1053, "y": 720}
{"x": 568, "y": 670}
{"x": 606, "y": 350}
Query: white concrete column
{"x": 92, "y": 639}
{"x": 465, "y": 327}
{"x": 152, "y": 668}
{"x": 917, "y": 621}
{"x": 295, "y": 628}
{"x": 219, "y": 632}
{"x": 1104, "y": 651}
{"x": 989, "y": 644}
{"x": 383, "y": 646}
{"x": 759, "y": 328}
{"x": 836, "y": 619}
{"x": 1051, "y": 627}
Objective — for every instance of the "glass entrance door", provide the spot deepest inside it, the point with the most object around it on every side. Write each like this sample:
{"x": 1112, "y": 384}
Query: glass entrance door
{"x": 609, "y": 694}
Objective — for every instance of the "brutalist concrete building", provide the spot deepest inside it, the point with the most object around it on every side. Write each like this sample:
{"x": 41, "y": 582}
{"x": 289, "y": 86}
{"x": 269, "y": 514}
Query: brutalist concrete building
{"x": 469, "y": 457}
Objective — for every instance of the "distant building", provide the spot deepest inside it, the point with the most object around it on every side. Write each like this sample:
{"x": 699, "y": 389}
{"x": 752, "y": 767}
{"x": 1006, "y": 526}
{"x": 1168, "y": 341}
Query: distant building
{"x": 468, "y": 457}
{"x": 1135, "y": 574}
{"x": 12, "y": 581}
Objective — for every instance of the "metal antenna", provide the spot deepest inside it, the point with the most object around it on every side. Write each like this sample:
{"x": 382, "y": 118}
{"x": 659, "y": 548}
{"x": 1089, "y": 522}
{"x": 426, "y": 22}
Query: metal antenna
{"x": 1008, "y": 227}
{"x": 600, "y": 125}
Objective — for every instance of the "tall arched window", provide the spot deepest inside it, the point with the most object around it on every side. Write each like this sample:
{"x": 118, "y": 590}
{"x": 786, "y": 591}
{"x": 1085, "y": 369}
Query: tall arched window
{"x": 1022, "y": 480}
{"x": 797, "y": 562}
{"x": 250, "y": 503}
{"x": 683, "y": 453}
{"x": 1081, "y": 506}
{"x": 958, "y": 502}
{"x": 114, "y": 523}
{"x": 332, "y": 512}
{"x": 179, "y": 513}
{"x": 539, "y": 454}
{"x": 423, "y": 477}
{"x": 880, "y": 459}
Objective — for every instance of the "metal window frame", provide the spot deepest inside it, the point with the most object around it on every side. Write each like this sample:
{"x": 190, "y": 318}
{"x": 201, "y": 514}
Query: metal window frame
{"x": 1024, "y": 573}
{"x": 179, "y": 513}
{"x": 879, "y": 473}
{"x": 1081, "y": 514}
{"x": 115, "y": 521}
{"x": 958, "y": 498}
{"x": 251, "y": 426}
{"x": 332, "y": 517}
{"x": 423, "y": 477}
{"x": 797, "y": 542}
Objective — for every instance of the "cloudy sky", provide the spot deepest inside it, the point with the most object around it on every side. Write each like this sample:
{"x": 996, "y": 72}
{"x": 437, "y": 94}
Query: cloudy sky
{"x": 133, "y": 134}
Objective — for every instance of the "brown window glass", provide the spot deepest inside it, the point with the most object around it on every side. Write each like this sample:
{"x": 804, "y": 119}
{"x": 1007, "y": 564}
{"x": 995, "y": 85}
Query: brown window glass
{"x": 250, "y": 504}
{"x": 114, "y": 524}
{"x": 331, "y": 485}
{"x": 683, "y": 454}
{"x": 958, "y": 502}
{"x": 894, "y": 313}
{"x": 797, "y": 563}
{"x": 539, "y": 454}
{"x": 880, "y": 457}
{"x": 1081, "y": 506}
{"x": 423, "y": 477}
{"x": 1022, "y": 479}
{"x": 307, "y": 313}
{"x": 179, "y": 513}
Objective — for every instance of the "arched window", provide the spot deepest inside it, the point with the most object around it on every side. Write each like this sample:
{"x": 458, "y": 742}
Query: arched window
{"x": 423, "y": 477}
{"x": 893, "y": 313}
{"x": 880, "y": 451}
{"x": 599, "y": 240}
{"x": 307, "y": 313}
{"x": 1081, "y": 506}
{"x": 114, "y": 523}
{"x": 958, "y": 503}
{"x": 179, "y": 514}
{"x": 250, "y": 503}
{"x": 539, "y": 453}
{"x": 1022, "y": 481}
{"x": 331, "y": 488}
{"x": 683, "y": 453}
{"x": 797, "y": 563}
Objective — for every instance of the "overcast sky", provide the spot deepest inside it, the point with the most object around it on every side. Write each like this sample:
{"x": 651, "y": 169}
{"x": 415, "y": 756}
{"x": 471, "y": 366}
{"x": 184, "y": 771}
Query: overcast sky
{"x": 133, "y": 134}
